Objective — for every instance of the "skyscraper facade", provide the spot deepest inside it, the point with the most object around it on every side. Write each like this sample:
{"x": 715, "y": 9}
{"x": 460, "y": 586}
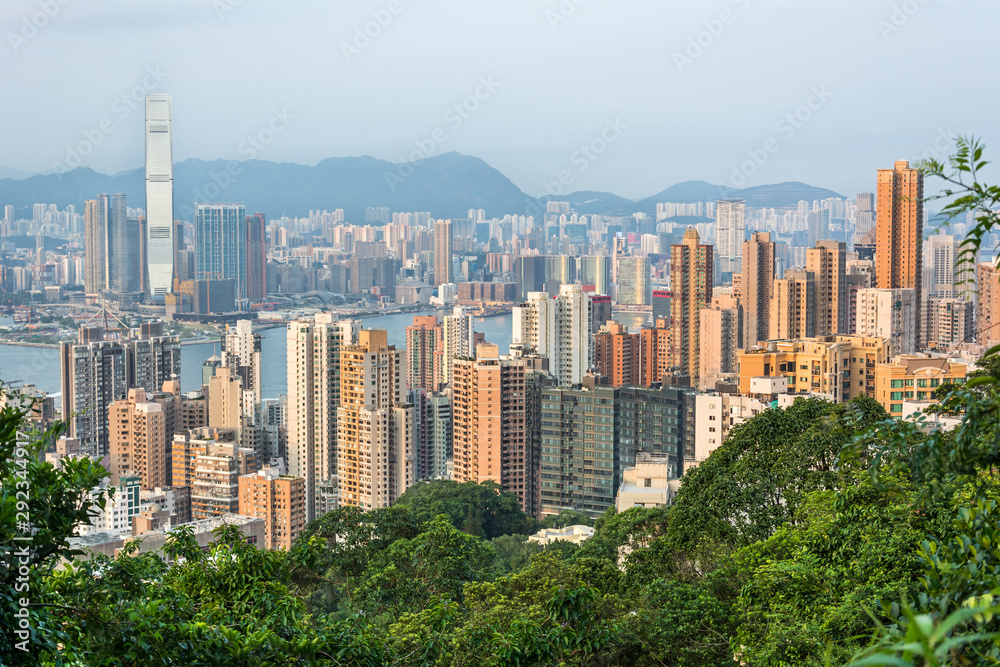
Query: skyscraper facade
{"x": 96, "y": 232}
{"x": 889, "y": 313}
{"x": 425, "y": 353}
{"x": 757, "y": 286}
{"x": 443, "y": 271}
{"x": 900, "y": 233}
{"x": 634, "y": 286}
{"x": 793, "y": 306}
{"x": 559, "y": 329}
{"x": 160, "y": 243}
{"x": 691, "y": 266}
{"x": 221, "y": 244}
{"x": 730, "y": 229}
{"x": 490, "y": 441}
{"x": 375, "y": 435}
{"x": 256, "y": 227}
{"x": 313, "y": 354}
{"x": 457, "y": 339}
{"x": 988, "y": 304}
{"x": 827, "y": 262}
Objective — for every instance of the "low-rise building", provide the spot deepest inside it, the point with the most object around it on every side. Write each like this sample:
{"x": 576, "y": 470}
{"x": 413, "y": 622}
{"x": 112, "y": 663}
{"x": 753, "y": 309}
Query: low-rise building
{"x": 573, "y": 534}
{"x": 839, "y": 366}
{"x": 647, "y": 484}
{"x": 914, "y": 377}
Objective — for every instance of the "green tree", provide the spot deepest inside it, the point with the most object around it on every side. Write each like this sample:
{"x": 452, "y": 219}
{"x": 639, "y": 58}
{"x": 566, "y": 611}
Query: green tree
{"x": 483, "y": 510}
{"x": 39, "y": 502}
{"x": 756, "y": 481}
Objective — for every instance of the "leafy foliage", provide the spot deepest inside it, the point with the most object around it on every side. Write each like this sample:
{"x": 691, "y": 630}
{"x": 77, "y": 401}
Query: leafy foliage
{"x": 483, "y": 510}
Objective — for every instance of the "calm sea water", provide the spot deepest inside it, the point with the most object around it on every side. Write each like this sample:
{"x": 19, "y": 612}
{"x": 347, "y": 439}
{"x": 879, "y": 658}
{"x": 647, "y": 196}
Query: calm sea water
{"x": 40, "y": 366}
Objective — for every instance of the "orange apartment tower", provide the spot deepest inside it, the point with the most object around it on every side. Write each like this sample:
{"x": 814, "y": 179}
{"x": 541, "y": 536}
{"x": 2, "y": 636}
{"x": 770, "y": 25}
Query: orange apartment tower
{"x": 691, "y": 282}
{"x": 900, "y": 231}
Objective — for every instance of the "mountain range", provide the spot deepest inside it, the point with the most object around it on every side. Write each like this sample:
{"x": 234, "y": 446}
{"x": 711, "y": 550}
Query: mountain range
{"x": 447, "y": 185}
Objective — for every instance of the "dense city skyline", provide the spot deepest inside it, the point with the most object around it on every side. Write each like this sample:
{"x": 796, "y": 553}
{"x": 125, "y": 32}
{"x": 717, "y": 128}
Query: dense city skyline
{"x": 535, "y": 84}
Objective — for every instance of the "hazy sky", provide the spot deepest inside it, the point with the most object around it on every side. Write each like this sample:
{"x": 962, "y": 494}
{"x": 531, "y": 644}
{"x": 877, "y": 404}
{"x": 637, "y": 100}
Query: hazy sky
{"x": 679, "y": 90}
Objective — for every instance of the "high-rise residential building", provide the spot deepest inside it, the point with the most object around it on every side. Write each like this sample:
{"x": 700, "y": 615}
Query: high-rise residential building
{"x": 443, "y": 270}
{"x": 278, "y": 499}
{"x": 828, "y": 264}
{"x": 432, "y": 434}
{"x": 841, "y": 367}
{"x": 900, "y": 234}
{"x": 489, "y": 430}
{"x": 618, "y": 355}
{"x": 241, "y": 351}
{"x": 96, "y": 238}
{"x": 375, "y": 437}
{"x": 730, "y": 230}
{"x": 313, "y": 353}
{"x": 988, "y": 304}
{"x": 940, "y": 253}
{"x": 211, "y": 465}
{"x": 634, "y": 286}
{"x": 457, "y": 337}
{"x": 949, "y": 323}
{"x": 425, "y": 353}
{"x": 140, "y": 439}
{"x": 221, "y": 243}
{"x": 691, "y": 270}
{"x": 864, "y": 221}
{"x": 100, "y": 368}
{"x": 578, "y": 456}
{"x": 154, "y": 358}
{"x": 558, "y": 329}
{"x": 8, "y": 214}
{"x": 757, "y": 287}
{"x": 793, "y": 306}
{"x": 160, "y": 243}
{"x": 659, "y": 421}
{"x": 721, "y": 338}
{"x": 256, "y": 280}
{"x": 657, "y": 351}
{"x": 889, "y": 313}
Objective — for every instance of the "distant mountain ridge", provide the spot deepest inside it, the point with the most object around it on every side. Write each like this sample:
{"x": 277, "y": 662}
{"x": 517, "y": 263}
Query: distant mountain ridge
{"x": 447, "y": 185}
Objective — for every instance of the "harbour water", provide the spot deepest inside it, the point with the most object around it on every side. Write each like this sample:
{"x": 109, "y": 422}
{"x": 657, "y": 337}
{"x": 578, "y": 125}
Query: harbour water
{"x": 40, "y": 366}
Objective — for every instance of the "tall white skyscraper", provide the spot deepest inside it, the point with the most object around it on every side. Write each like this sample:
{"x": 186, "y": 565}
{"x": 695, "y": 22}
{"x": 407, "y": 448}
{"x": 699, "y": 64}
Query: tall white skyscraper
{"x": 730, "y": 228}
{"x": 159, "y": 195}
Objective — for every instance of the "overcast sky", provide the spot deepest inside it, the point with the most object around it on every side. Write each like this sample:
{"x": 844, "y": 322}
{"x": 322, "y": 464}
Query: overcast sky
{"x": 679, "y": 90}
